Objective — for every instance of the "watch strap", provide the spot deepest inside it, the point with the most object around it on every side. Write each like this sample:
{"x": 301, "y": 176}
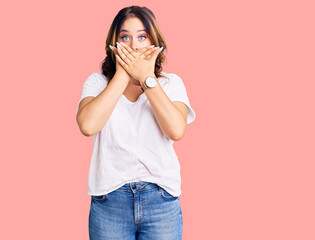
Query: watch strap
{"x": 144, "y": 86}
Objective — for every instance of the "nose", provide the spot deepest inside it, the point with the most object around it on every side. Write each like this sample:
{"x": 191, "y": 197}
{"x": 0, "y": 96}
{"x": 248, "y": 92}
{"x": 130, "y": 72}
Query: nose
{"x": 134, "y": 46}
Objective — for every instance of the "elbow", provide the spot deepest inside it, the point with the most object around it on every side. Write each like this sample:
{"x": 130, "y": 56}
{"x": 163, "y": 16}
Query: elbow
{"x": 179, "y": 133}
{"x": 177, "y": 136}
{"x": 83, "y": 129}
{"x": 86, "y": 132}
{"x": 88, "y": 129}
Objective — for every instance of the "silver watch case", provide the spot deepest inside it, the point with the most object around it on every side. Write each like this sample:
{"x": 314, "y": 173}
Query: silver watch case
{"x": 150, "y": 82}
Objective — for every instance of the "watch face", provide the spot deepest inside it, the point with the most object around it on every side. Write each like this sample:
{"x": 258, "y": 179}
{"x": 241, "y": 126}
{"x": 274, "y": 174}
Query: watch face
{"x": 150, "y": 82}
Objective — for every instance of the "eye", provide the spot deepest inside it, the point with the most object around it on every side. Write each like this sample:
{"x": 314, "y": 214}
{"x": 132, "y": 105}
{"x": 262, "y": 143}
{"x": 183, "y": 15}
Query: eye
{"x": 143, "y": 36}
{"x": 123, "y": 37}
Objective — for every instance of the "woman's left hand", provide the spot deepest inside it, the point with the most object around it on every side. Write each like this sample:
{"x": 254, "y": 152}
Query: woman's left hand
{"x": 140, "y": 64}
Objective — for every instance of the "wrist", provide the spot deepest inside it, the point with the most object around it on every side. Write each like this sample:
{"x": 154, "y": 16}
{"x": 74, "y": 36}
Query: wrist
{"x": 123, "y": 76}
{"x": 149, "y": 83}
{"x": 142, "y": 80}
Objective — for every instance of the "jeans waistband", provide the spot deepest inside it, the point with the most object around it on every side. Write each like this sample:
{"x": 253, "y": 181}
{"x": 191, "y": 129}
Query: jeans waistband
{"x": 140, "y": 185}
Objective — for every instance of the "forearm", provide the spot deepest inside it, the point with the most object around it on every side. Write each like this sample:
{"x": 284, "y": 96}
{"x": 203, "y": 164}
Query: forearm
{"x": 95, "y": 114}
{"x": 167, "y": 114}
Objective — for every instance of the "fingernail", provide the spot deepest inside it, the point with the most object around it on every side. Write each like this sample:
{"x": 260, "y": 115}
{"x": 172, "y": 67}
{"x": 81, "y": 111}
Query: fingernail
{"x": 122, "y": 43}
{"x": 152, "y": 46}
{"x": 111, "y": 47}
{"x": 161, "y": 48}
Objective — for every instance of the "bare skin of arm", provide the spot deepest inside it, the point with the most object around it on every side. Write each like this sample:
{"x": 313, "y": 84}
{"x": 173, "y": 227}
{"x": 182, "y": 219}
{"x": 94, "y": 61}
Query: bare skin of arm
{"x": 171, "y": 116}
{"x": 94, "y": 112}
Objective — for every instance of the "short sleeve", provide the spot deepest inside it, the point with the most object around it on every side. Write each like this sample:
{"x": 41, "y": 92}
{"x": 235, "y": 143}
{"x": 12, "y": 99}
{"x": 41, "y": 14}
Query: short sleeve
{"x": 176, "y": 91}
{"x": 91, "y": 87}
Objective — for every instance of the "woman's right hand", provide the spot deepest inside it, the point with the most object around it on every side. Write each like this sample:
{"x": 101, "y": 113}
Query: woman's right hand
{"x": 119, "y": 69}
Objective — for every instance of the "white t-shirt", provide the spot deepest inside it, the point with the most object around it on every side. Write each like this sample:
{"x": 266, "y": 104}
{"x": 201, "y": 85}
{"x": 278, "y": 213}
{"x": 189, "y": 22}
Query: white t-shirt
{"x": 131, "y": 146}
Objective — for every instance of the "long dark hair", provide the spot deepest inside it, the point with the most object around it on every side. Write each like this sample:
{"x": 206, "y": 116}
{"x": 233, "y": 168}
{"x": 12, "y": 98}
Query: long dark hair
{"x": 153, "y": 32}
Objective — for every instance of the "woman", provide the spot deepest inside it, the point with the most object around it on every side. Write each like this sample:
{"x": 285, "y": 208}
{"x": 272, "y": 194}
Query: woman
{"x": 135, "y": 112}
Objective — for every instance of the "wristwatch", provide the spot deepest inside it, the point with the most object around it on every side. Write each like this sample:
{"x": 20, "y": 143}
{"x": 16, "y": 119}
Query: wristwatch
{"x": 150, "y": 82}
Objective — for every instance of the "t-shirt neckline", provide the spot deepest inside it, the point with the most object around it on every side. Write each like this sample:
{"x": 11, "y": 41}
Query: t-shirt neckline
{"x": 127, "y": 100}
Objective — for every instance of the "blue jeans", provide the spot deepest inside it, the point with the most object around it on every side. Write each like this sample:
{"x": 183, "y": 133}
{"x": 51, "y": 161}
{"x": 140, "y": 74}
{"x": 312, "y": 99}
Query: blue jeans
{"x": 137, "y": 210}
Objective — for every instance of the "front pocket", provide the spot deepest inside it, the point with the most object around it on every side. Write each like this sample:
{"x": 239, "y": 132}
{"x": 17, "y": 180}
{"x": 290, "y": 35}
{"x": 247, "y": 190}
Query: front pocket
{"x": 98, "y": 198}
{"x": 166, "y": 195}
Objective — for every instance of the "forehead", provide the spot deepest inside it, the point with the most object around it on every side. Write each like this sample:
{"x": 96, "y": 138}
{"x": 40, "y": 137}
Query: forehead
{"x": 132, "y": 25}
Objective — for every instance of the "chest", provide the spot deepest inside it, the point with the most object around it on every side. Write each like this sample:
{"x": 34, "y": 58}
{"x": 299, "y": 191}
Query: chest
{"x": 132, "y": 93}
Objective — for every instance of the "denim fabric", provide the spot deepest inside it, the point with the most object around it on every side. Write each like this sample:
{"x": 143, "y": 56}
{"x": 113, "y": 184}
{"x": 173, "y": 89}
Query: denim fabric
{"x": 137, "y": 210}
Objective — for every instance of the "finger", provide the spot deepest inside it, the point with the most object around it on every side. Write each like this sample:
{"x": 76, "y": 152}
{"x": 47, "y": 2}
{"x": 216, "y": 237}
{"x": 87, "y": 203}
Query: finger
{"x": 148, "y": 52}
{"x": 127, "y": 50}
{"x": 114, "y": 49}
{"x": 155, "y": 54}
{"x": 122, "y": 54}
{"x": 122, "y": 63}
{"x": 143, "y": 50}
{"x": 152, "y": 53}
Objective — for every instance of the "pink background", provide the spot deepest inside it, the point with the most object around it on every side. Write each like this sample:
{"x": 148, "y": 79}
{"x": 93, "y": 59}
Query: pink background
{"x": 247, "y": 161}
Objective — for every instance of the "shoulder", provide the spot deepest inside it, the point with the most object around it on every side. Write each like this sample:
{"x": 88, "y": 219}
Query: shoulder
{"x": 99, "y": 76}
{"x": 168, "y": 79}
{"x": 99, "y": 79}
{"x": 172, "y": 80}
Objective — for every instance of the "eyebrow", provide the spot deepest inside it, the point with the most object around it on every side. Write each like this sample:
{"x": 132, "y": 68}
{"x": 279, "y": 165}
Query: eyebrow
{"x": 123, "y": 30}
